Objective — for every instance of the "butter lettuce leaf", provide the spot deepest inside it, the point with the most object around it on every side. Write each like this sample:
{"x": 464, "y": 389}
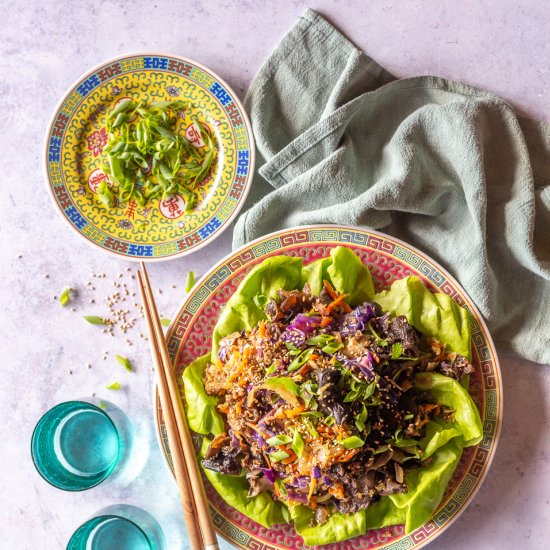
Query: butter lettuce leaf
{"x": 426, "y": 487}
{"x": 338, "y": 527}
{"x": 349, "y": 275}
{"x": 202, "y": 415}
{"x": 241, "y": 311}
{"x": 435, "y": 315}
{"x": 234, "y": 490}
{"x": 314, "y": 273}
{"x": 450, "y": 393}
{"x": 346, "y": 273}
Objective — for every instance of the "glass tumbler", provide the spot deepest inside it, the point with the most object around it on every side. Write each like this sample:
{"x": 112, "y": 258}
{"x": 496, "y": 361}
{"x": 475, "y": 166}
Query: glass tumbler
{"x": 77, "y": 444}
{"x": 120, "y": 527}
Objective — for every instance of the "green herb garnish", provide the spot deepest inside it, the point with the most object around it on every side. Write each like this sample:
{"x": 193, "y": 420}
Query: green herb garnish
{"x": 147, "y": 156}
{"x": 124, "y": 362}
{"x": 165, "y": 322}
{"x": 352, "y": 442}
{"x": 190, "y": 281}
{"x": 113, "y": 386}
{"x": 361, "y": 418}
{"x": 396, "y": 350}
{"x": 94, "y": 320}
{"x": 300, "y": 360}
{"x": 312, "y": 414}
{"x": 277, "y": 456}
{"x": 281, "y": 439}
{"x": 271, "y": 369}
{"x": 65, "y": 297}
{"x": 297, "y": 443}
{"x": 310, "y": 428}
{"x": 281, "y": 382}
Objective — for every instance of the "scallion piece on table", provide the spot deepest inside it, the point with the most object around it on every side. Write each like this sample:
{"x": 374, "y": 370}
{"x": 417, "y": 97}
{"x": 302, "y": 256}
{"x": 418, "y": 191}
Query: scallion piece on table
{"x": 124, "y": 362}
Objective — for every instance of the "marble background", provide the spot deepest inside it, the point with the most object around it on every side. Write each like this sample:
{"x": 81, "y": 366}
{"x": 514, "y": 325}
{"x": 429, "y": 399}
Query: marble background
{"x": 45, "y": 45}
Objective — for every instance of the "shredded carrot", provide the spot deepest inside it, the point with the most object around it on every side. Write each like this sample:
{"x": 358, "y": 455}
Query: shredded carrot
{"x": 290, "y": 413}
{"x": 305, "y": 369}
{"x": 261, "y": 329}
{"x": 349, "y": 455}
{"x": 223, "y": 408}
{"x": 291, "y": 458}
{"x": 325, "y": 321}
{"x": 330, "y": 291}
{"x": 266, "y": 457}
{"x": 337, "y": 490}
{"x": 338, "y": 302}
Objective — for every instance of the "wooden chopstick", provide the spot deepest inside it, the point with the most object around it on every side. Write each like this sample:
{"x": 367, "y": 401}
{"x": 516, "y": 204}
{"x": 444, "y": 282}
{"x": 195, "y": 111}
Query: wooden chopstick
{"x": 174, "y": 402}
{"x": 178, "y": 460}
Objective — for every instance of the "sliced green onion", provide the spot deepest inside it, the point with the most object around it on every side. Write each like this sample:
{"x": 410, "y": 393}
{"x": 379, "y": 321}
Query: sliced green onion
{"x": 352, "y": 442}
{"x": 65, "y": 297}
{"x": 281, "y": 439}
{"x": 113, "y": 386}
{"x": 297, "y": 443}
{"x": 396, "y": 350}
{"x": 190, "y": 281}
{"x": 124, "y": 362}
{"x": 94, "y": 320}
{"x": 165, "y": 322}
{"x": 277, "y": 456}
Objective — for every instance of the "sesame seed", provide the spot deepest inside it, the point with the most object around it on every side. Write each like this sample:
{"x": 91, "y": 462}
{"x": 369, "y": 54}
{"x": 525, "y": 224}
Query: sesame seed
{"x": 46, "y": 276}
{"x": 89, "y": 366}
{"x": 20, "y": 256}
{"x": 70, "y": 372}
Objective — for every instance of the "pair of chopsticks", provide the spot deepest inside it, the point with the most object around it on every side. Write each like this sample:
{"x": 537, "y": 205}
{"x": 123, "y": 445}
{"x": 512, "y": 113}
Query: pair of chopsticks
{"x": 192, "y": 495}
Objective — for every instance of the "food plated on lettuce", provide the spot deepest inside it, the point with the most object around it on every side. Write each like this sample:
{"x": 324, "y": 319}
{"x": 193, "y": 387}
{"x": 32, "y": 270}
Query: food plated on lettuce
{"x": 331, "y": 406}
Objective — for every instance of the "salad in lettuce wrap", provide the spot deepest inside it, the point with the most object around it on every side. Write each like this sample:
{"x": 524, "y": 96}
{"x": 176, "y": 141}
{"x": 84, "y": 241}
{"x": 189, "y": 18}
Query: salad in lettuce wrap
{"x": 330, "y": 406}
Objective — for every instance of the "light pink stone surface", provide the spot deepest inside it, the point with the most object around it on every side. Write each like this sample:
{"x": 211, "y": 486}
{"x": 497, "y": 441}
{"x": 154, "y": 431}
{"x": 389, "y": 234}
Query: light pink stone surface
{"x": 499, "y": 45}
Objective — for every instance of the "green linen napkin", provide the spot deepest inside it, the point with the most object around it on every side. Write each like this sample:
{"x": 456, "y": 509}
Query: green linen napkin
{"x": 446, "y": 167}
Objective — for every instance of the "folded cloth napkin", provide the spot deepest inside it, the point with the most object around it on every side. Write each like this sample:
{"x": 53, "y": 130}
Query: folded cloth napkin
{"x": 446, "y": 167}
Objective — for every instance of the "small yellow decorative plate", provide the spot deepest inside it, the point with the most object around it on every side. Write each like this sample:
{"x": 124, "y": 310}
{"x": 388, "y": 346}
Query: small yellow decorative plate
{"x": 161, "y": 229}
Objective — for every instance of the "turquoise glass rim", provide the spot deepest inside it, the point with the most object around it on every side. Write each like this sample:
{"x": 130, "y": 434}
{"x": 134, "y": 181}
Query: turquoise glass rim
{"x": 36, "y": 433}
{"x": 88, "y": 526}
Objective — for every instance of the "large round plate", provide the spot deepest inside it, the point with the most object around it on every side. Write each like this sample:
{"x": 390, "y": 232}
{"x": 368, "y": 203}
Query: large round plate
{"x": 388, "y": 259}
{"x": 74, "y": 157}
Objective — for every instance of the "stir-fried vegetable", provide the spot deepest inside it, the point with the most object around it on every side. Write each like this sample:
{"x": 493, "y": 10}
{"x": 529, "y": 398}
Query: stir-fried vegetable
{"x": 230, "y": 383}
{"x": 322, "y": 396}
{"x": 147, "y": 156}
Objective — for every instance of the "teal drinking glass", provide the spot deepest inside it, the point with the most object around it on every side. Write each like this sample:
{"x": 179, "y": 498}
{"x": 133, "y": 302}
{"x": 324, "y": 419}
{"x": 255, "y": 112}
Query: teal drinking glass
{"x": 119, "y": 527}
{"x": 76, "y": 445}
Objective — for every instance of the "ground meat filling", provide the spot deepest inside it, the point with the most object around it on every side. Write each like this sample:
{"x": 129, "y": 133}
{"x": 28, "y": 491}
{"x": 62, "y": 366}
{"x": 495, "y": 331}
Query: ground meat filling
{"x": 320, "y": 404}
